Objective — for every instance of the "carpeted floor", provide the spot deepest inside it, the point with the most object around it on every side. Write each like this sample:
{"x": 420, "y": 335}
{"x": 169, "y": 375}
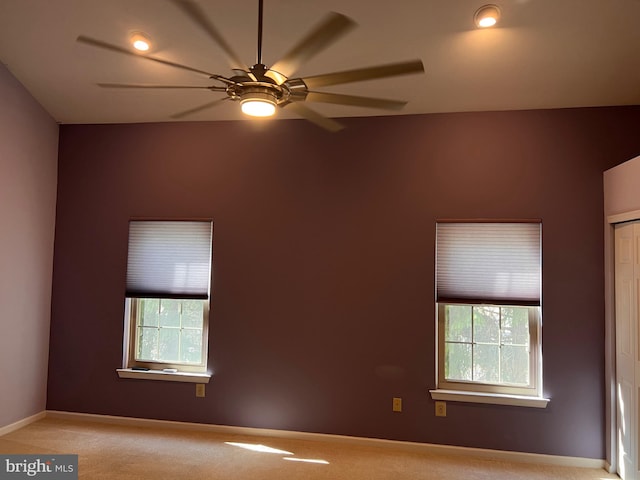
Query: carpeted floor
{"x": 137, "y": 453}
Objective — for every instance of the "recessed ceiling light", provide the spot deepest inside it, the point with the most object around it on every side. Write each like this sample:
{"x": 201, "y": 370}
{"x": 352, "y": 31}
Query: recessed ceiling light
{"x": 487, "y": 16}
{"x": 140, "y": 41}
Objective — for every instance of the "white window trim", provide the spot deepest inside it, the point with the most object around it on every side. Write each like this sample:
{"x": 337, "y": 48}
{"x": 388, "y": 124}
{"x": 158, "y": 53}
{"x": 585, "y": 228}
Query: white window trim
{"x": 185, "y": 377}
{"x": 490, "y": 398}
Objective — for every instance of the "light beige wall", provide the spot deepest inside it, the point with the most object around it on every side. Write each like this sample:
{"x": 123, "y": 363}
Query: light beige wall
{"x": 622, "y": 188}
{"x": 621, "y": 196}
{"x": 28, "y": 176}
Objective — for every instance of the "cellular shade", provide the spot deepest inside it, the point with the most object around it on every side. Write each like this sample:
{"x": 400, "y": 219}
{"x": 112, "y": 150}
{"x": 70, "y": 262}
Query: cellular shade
{"x": 488, "y": 262}
{"x": 169, "y": 259}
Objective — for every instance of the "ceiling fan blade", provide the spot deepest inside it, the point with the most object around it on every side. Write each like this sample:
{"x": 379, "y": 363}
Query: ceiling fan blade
{"x": 115, "y": 48}
{"x": 355, "y": 101}
{"x": 368, "y": 73}
{"x": 198, "y": 16}
{"x": 314, "y": 117}
{"x": 200, "y": 108}
{"x": 144, "y": 85}
{"x": 330, "y": 29}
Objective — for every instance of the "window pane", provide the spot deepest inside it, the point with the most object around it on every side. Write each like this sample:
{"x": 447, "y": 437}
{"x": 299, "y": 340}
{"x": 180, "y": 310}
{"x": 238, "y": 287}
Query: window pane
{"x": 169, "y": 330}
{"x": 147, "y": 343}
{"x": 192, "y": 313}
{"x": 486, "y": 360}
{"x": 458, "y": 323}
{"x": 457, "y": 364}
{"x": 515, "y": 364}
{"x": 486, "y": 324}
{"x": 148, "y": 308}
{"x": 169, "y": 340}
{"x": 169, "y": 313}
{"x": 191, "y": 346}
{"x": 499, "y": 356}
{"x": 515, "y": 326}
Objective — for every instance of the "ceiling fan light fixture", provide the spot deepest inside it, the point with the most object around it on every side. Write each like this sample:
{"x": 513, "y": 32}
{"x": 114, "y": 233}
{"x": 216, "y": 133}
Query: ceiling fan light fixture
{"x": 258, "y": 104}
{"x": 140, "y": 41}
{"x": 261, "y": 90}
{"x": 487, "y": 16}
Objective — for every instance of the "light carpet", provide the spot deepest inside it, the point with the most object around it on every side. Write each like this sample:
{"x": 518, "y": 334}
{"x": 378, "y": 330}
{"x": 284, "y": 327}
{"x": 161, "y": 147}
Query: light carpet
{"x": 109, "y": 451}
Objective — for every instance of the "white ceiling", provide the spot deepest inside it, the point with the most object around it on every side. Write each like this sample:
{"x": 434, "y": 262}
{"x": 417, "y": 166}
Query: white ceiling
{"x": 545, "y": 54}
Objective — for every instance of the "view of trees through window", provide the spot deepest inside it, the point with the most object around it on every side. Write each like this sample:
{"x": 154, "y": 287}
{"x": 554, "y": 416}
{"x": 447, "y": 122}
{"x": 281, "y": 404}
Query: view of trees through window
{"x": 487, "y": 344}
{"x": 169, "y": 330}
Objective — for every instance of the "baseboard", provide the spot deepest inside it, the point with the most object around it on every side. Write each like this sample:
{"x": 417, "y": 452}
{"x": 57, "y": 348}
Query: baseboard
{"x": 609, "y": 468}
{"x": 22, "y": 423}
{"x": 502, "y": 455}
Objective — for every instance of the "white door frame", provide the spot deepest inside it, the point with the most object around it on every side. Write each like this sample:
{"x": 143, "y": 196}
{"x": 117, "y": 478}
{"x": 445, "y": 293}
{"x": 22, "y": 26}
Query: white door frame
{"x": 610, "y": 336}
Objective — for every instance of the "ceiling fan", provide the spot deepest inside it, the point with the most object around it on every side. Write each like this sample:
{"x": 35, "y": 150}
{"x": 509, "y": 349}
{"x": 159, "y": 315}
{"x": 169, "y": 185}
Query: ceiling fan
{"x": 261, "y": 89}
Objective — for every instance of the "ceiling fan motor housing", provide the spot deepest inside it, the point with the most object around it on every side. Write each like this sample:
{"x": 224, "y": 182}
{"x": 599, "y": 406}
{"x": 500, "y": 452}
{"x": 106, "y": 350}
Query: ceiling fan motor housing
{"x": 269, "y": 93}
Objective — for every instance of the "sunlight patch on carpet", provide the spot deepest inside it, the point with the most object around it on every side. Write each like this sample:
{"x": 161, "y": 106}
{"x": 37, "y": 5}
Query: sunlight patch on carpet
{"x": 258, "y": 448}
{"x": 307, "y": 460}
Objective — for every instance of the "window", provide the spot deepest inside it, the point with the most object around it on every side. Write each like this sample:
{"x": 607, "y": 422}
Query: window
{"x": 167, "y": 308}
{"x": 488, "y": 284}
{"x": 169, "y": 333}
{"x": 488, "y": 348}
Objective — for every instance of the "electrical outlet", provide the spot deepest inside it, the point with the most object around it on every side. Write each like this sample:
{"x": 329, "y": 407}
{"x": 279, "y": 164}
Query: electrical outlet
{"x": 199, "y": 389}
{"x": 441, "y": 409}
{"x": 397, "y": 404}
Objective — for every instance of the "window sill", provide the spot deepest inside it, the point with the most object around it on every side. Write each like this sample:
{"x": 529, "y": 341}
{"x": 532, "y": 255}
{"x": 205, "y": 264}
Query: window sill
{"x": 491, "y": 398}
{"x": 187, "y": 377}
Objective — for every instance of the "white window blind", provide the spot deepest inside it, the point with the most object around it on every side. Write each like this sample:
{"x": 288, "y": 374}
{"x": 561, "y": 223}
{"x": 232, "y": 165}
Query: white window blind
{"x": 169, "y": 259}
{"x": 489, "y": 263}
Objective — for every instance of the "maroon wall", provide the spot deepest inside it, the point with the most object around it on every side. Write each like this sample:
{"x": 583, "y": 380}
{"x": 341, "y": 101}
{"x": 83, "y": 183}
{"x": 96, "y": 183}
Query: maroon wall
{"x": 323, "y": 288}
